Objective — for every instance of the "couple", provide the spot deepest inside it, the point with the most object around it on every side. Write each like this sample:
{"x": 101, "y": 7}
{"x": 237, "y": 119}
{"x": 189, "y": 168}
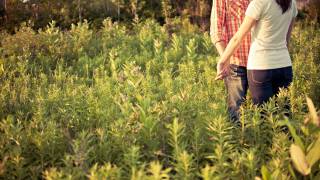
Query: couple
{"x": 264, "y": 66}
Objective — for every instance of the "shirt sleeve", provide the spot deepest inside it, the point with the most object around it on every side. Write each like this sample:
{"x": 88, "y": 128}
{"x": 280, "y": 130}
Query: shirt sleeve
{"x": 255, "y": 9}
{"x": 218, "y": 21}
{"x": 295, "y": 9}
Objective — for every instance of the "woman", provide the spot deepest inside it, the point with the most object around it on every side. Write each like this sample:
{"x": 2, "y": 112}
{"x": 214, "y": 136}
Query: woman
{"x": 269, "y": 64}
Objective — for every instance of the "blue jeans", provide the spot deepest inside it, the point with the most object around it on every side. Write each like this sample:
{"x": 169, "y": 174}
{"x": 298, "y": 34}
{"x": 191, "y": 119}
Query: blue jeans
{"x": 263, "y": 84}
{"x": 236, "y": 85}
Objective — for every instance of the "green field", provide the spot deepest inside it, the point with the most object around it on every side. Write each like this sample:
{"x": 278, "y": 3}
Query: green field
{"x": 138, "y": 102}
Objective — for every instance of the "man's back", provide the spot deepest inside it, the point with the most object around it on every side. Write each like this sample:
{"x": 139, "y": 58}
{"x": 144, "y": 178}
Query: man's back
{"x": 226, "y": 18}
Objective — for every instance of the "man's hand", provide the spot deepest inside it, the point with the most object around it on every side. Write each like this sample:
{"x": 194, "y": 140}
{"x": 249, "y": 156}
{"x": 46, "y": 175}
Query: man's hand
{"x": 222, "y": 69}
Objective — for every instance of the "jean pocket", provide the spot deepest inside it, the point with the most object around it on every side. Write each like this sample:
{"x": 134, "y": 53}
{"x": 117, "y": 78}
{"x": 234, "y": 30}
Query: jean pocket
{"x": 237, "y": 71}
{"x": 260, "y": 76}
{"x": 232, "y": 71}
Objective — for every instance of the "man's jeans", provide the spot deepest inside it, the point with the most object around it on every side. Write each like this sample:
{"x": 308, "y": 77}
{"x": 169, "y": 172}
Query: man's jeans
{"x": 237, "y": 85}
{"x": 264, "y": 84}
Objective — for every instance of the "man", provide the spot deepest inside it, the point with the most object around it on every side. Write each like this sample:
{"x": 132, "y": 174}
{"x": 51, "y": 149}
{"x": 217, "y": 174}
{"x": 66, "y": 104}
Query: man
{"x": 226, "y": 18}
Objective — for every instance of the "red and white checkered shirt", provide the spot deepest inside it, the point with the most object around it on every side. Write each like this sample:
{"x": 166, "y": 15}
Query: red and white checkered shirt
{"x": 226, "y": 18}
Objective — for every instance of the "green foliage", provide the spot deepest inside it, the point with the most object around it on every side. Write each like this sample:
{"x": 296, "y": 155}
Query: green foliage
{"x": 223, "y": 145}
{"x": 66, "y": 12}
{"x": 140, "y": 102}
{"x": 306, "y": 155}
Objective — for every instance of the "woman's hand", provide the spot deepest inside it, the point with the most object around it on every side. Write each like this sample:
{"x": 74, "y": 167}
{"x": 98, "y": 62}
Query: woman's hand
{"x": 222, "y": 69}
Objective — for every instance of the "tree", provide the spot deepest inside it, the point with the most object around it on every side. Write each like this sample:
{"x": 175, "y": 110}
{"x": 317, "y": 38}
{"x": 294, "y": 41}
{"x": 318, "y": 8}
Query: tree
{"x": 3, "y": 8}
{"x": 313, "y": 9}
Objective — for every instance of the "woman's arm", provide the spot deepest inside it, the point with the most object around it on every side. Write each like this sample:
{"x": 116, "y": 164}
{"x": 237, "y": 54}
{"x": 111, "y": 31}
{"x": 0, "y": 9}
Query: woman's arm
{"x": 289, "y": 32}
{"x": 232, "y": 46}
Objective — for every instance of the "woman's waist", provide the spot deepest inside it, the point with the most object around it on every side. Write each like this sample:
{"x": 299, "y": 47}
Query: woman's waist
{"x": 268, "y": 46}
{"x": 273, "y": 52}
{"x": 265, "y": 60}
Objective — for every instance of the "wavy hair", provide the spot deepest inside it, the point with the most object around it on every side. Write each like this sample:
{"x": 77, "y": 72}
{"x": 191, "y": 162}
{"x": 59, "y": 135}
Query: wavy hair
{"x": 284, "y": 4}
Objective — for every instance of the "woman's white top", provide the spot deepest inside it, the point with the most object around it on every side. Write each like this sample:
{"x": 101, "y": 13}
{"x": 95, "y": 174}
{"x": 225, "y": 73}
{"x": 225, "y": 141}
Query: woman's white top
{"x": 269, "y": 46}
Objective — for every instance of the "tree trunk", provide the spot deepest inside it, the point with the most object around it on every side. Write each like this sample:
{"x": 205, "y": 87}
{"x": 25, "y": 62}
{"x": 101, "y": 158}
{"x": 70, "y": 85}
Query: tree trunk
{"x": 80, "y": 10}
{"x": 3, "y": 12}
{"x": 3, "y": 8}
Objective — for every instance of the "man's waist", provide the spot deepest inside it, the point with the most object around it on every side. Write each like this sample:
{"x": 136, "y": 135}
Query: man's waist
{"x": 238, "y": 59}
{"x": 238, "y": 66}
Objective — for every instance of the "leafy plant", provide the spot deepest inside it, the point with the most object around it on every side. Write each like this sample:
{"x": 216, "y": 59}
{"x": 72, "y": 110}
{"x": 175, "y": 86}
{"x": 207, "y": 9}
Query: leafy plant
{"x": 139, "y": 102}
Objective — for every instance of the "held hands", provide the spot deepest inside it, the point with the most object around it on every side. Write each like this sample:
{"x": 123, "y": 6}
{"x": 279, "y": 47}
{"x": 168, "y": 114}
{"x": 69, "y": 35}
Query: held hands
{"x": 222, "y": 69}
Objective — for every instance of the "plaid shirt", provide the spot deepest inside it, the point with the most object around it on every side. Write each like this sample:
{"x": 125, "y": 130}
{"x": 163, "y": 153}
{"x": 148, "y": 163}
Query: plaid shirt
{"x": 226, "y": 18}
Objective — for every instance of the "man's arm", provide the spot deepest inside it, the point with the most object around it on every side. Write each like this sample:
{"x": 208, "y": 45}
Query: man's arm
{"x": 217, "y": 25}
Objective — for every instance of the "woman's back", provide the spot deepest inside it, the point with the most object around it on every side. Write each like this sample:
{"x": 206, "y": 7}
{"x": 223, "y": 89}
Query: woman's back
{"x": 268, "y": 49}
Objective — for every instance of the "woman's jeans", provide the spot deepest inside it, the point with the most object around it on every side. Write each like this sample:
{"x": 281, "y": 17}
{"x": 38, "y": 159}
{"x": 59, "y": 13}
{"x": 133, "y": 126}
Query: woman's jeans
{"x": 263, "y": 84}
{"x": 237, "y": 85}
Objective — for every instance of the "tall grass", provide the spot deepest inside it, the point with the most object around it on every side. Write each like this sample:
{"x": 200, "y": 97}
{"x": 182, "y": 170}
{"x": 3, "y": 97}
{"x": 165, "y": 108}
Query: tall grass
{"x": 139, "y": 103}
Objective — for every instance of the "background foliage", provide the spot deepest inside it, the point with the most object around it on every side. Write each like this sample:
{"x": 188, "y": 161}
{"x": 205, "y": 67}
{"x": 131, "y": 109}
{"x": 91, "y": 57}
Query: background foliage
{"x": 66, "y": 12}
{"x": 132, "y": 96}
{"x": 141, "y": 103}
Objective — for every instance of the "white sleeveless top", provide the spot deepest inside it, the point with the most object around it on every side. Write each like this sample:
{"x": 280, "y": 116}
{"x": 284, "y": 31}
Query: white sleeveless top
{"x": 268, "y": 47}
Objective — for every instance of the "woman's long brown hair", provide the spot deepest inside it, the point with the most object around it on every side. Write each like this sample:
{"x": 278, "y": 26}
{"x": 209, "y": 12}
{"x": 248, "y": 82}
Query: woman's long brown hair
{"x": 284, "y": 4}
